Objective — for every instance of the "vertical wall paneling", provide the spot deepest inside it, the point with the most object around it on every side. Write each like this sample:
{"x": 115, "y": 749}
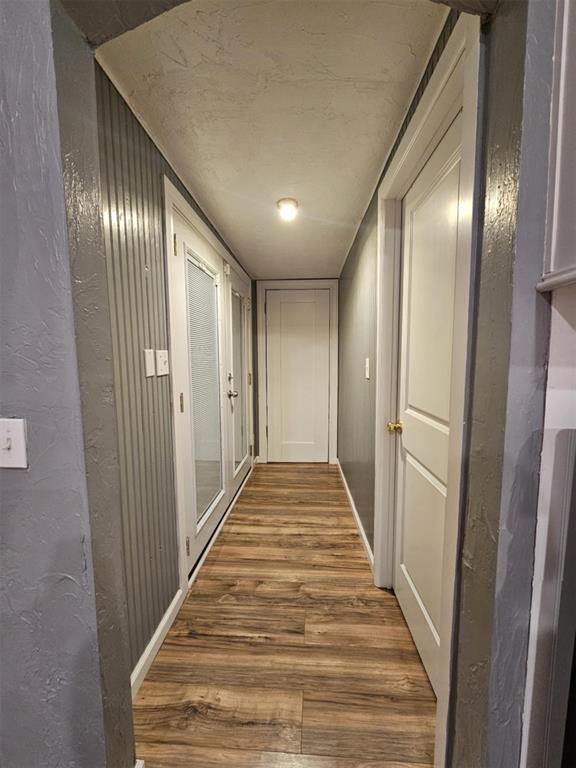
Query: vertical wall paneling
{"x": 132, "y": 171}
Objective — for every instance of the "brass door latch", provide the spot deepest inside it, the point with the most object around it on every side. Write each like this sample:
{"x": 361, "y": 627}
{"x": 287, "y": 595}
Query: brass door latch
{"x": 395, "y": 426}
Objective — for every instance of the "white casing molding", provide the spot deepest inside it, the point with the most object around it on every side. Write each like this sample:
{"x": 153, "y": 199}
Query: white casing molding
{"x": 261, "y": 287}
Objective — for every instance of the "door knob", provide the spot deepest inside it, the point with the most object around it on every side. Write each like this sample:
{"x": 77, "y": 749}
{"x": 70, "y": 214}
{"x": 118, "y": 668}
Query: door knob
{"x": 232, "y": 393}
{"x": 394, "y": 426}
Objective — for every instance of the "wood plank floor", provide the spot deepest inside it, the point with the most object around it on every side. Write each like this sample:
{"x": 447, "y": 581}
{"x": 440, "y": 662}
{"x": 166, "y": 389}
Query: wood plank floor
{"x": 284, "y": 654}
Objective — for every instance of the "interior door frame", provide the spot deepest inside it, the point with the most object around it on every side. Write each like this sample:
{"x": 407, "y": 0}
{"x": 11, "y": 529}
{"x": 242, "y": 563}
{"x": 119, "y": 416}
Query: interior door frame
{"x": 247, "y": 346}
{"x": 285, "y": 285}
{"x": 175, "y": 201}
{"x": 453, "y": 87}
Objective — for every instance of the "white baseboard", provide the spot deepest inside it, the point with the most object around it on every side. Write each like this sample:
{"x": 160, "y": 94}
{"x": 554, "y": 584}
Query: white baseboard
{"x": 141, "y": 669}
{"x": 145, "y": 661}
{"x": 357, "y": 517}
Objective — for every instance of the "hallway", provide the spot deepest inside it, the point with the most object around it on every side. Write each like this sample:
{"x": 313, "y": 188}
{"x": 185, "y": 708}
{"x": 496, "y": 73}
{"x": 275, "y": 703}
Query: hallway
{"x": 284, "y": 654}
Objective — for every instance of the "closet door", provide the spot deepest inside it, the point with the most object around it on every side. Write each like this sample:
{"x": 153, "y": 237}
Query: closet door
{"x": 298, "y": 374}
{"x": 431, "y": 212}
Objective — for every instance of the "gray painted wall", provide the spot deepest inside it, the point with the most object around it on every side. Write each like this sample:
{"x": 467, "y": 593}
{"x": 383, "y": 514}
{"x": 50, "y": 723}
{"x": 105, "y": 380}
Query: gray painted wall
{"x": 357, "y": 333}
{"x": 132, "y": 171}
{"x": 356, "y": 394}
{"x": 51, "y": 698}
{"x": 507, "y": 394}
{"x": 132, "y": 207}
{"x": 76, "y": 94}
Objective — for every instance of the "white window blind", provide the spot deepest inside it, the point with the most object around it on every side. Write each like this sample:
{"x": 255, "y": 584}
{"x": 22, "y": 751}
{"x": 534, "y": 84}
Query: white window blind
{"x": 202, "y": 318}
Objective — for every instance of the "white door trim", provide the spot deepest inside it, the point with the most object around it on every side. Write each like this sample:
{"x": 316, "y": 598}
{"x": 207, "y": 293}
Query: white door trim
{"x": 261, "y": 287}
{"x": 174, "y": 201}
{"x": 243, "y": 289}
{"x": 453, "y": 87}
{"x": 173, "y": 198}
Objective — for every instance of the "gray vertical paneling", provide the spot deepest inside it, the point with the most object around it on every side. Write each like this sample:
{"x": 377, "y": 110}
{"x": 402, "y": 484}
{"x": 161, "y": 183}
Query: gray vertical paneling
{"x": 132, "y": 171}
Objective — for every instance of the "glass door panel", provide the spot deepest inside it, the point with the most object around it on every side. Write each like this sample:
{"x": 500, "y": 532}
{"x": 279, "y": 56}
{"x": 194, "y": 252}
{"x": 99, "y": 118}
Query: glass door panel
{"x": 204, "y": 370}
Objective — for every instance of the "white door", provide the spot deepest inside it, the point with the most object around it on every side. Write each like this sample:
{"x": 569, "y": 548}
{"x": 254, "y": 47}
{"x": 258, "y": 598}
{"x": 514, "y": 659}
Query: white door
{"x": 198, "y": 349}
{"x": 298, "y": 373}
{"x": 210, "y": 363}
{"x": 430, "y": 234}
{"x": 239, "y": 379}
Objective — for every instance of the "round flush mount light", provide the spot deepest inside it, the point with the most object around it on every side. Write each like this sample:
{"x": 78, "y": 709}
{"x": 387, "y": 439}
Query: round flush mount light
{"x": 288, "y": 208}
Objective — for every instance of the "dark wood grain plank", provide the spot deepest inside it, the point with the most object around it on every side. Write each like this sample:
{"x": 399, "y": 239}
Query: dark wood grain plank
{"x": 247, "y": 718}
{"x": 185, "y": 756}
{"x": 361, "y": 670}
{"x": 359, "y": 627}
{"x": 368, "y": 727}
{"x": 205, "y": 624}
{"x": 280, "y": 590}
{"x": 341, "y": 558}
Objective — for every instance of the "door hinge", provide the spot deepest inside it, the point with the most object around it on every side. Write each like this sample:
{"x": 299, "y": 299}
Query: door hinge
{"x": 181, "y": 402}
{"x": 251, "y": 450}
{"x": 175, "y": 245}
{"x": 188, "y": 546}
{"x": 249, "y": 379}
{"x": 266, "y": 430}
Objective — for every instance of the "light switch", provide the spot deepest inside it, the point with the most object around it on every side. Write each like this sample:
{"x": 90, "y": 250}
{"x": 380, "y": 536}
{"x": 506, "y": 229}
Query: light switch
{"x": 149, "y": 363}
{"x": 13, "y": 453}
{"x": 367, "y": 368}
{"x": 162, "y": 366}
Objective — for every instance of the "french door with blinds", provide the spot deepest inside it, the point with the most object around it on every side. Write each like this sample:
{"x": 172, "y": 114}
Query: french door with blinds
{"x": 210, "y": 352}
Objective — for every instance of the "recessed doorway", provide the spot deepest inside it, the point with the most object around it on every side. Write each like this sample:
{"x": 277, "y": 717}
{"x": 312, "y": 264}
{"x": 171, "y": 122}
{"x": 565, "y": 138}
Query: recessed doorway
{"x": 297, "y": 370}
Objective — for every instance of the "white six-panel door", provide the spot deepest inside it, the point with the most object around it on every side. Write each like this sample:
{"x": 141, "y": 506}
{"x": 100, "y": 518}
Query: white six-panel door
{"x": 430, "y": 213}
{"x": 298, "y": 374}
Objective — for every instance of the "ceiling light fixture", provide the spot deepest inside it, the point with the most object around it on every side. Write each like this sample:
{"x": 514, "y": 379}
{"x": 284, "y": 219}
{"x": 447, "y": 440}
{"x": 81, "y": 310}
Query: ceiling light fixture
{"x": 288, "y": 208}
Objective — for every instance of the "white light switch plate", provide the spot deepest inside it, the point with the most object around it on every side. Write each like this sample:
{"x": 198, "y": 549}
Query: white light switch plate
{"x": 162, "y": 366}
{"x": 367, "y": 368}
{"x": 149, "y": 363}
{"x": 13, "y": 453}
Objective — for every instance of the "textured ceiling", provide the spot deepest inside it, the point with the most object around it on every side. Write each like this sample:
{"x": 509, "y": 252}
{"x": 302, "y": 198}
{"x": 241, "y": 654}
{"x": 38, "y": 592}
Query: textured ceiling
{"x": 257, "y": 100}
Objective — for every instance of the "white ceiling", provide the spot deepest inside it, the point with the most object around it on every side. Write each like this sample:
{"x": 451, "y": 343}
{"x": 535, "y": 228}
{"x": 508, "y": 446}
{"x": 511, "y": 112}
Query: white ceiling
{"x": 256, "y": 100}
